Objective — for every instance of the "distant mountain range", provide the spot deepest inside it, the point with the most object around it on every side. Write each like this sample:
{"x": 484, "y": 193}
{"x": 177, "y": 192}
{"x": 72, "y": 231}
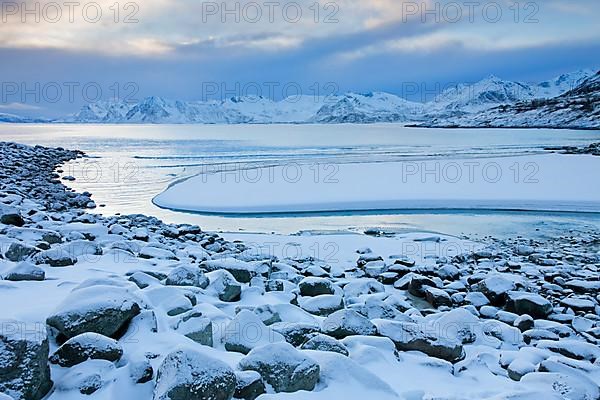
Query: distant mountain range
{"x": 566, "y": 99}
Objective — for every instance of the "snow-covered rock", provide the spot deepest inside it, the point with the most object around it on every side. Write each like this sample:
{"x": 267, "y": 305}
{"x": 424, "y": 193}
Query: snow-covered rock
{"x": 246, "y": 331}
{"x": 344, "y": 323}
{"x": 191, "y": 375}
{"x": 283, "y": 367}
{"x": 100, "y": 309}
{"x": 25, "y": 271}
{"x": 84, "y": 347}
{"x": 187, "y": 275}
{"x": 24, "y": 371}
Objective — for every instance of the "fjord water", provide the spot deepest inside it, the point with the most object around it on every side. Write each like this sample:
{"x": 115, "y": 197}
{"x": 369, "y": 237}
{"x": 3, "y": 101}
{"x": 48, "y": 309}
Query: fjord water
{"x": 130, "y": 164}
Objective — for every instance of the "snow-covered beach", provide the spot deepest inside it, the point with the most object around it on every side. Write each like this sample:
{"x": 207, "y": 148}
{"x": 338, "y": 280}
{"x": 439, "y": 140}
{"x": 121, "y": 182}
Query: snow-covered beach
{"x": 127, "y": 306}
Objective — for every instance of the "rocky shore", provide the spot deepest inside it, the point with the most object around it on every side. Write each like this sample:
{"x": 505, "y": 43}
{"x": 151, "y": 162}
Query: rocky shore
{"x": 128, "y": 306}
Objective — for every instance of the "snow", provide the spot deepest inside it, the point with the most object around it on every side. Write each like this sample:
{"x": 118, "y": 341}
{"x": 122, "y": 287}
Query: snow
{"x": 536, "y": 182}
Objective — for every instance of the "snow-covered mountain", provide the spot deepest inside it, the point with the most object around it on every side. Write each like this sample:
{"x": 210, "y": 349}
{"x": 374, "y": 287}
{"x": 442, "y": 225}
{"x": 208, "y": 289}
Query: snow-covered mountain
{"x": 235, "y": 110}
{"x": 358, "y": 108}
{"x": 457, "y": 104}
{"x": 368, "y": 108}
{"x": 562, "y": 84}
{"x": 493, "y": 92}
{"x": 577, "y": 108}
{"x": 487, "y": 93}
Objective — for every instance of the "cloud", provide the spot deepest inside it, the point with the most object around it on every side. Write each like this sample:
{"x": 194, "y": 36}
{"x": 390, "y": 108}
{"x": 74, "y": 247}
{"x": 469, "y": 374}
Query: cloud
{"x": 19, "y": 107}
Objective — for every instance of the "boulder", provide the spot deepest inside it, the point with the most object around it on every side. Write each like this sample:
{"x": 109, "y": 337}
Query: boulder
{"x": 141, "y": 371}
{"x": 246, "y": 331}
{"x": 225, "y": 285}
{"x": 524, "y": 323}
{"x": 409, "y": 336}
{"x": 196, "y": 327}
{"x": 283, "y": 367}
{"x": 322, "y": 305}
{"x": 417, "y": 284}
{"x": 24, "y": 371}
{"x": 187, "y": 276}
{"x": 528, "y": 303}
{"x": 325, "y": 343}
{"x": 242, "y": 271}
{"x": 191, "y": 375}
{"x": 87, "y": 346}
{"x": 437, "y": 297}
{"x": 100, "y": 309}
{"x": 12, "y": 219}
{"x": 296, "y": 333}
{"x": 495, "y": 288}
{"x": 347, "y": 323}
{"x": 19, "y": 251}
{"x": 25, "y": 272}
{"x": 86, "y": 378}
{"x": 313, "y": 286}
{"x": 249, "y": 385}
{"x": 143, "y": 280}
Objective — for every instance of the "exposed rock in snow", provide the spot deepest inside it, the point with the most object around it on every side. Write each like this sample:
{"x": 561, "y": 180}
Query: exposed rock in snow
{"x": 25, "y": 272}
{"x": 196, "y": 327}
{"x": 344, "y": 323}
{"x": 410, "y": 336}
{"x": 283, "y": 367}
{"x": 325, "y": 343}
{"x": 185, "y": 275}
{"x": 313, "y": 286}
{"x": 528, "y": 303}
{"x": 24, "y": 371}
{"x": 249, "y": 385}
{"x": 191, "y": 375}
{"x": 84, "y": 347}
{"x": 246, "y": 331}
{"x": 100, "y": 309}
{"x": 322, "y": 305}
{"x": 225, "y": 285}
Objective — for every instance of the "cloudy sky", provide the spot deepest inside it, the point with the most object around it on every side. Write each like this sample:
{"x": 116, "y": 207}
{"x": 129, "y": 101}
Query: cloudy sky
{"x": 55, "y": 56}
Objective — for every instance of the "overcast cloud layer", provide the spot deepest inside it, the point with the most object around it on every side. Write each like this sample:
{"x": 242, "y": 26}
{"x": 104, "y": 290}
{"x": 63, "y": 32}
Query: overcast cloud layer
{"x": 55, "y": 56}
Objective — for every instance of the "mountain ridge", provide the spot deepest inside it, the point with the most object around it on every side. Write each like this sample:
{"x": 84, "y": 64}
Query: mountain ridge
{"x": 459, "y": 105}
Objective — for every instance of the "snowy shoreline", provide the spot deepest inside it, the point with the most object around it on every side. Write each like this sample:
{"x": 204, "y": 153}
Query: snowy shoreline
{"x": 129, "y": 307}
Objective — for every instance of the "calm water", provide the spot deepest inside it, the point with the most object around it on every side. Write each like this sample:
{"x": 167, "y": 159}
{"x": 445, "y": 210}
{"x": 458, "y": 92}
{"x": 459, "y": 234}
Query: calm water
{"x": 130, "y": 164}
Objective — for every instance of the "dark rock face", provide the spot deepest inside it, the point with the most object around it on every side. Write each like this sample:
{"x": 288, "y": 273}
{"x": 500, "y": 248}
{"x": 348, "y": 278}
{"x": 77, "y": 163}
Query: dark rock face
{"x": 192, "y": 375}
{"x": 24, "y": 371}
